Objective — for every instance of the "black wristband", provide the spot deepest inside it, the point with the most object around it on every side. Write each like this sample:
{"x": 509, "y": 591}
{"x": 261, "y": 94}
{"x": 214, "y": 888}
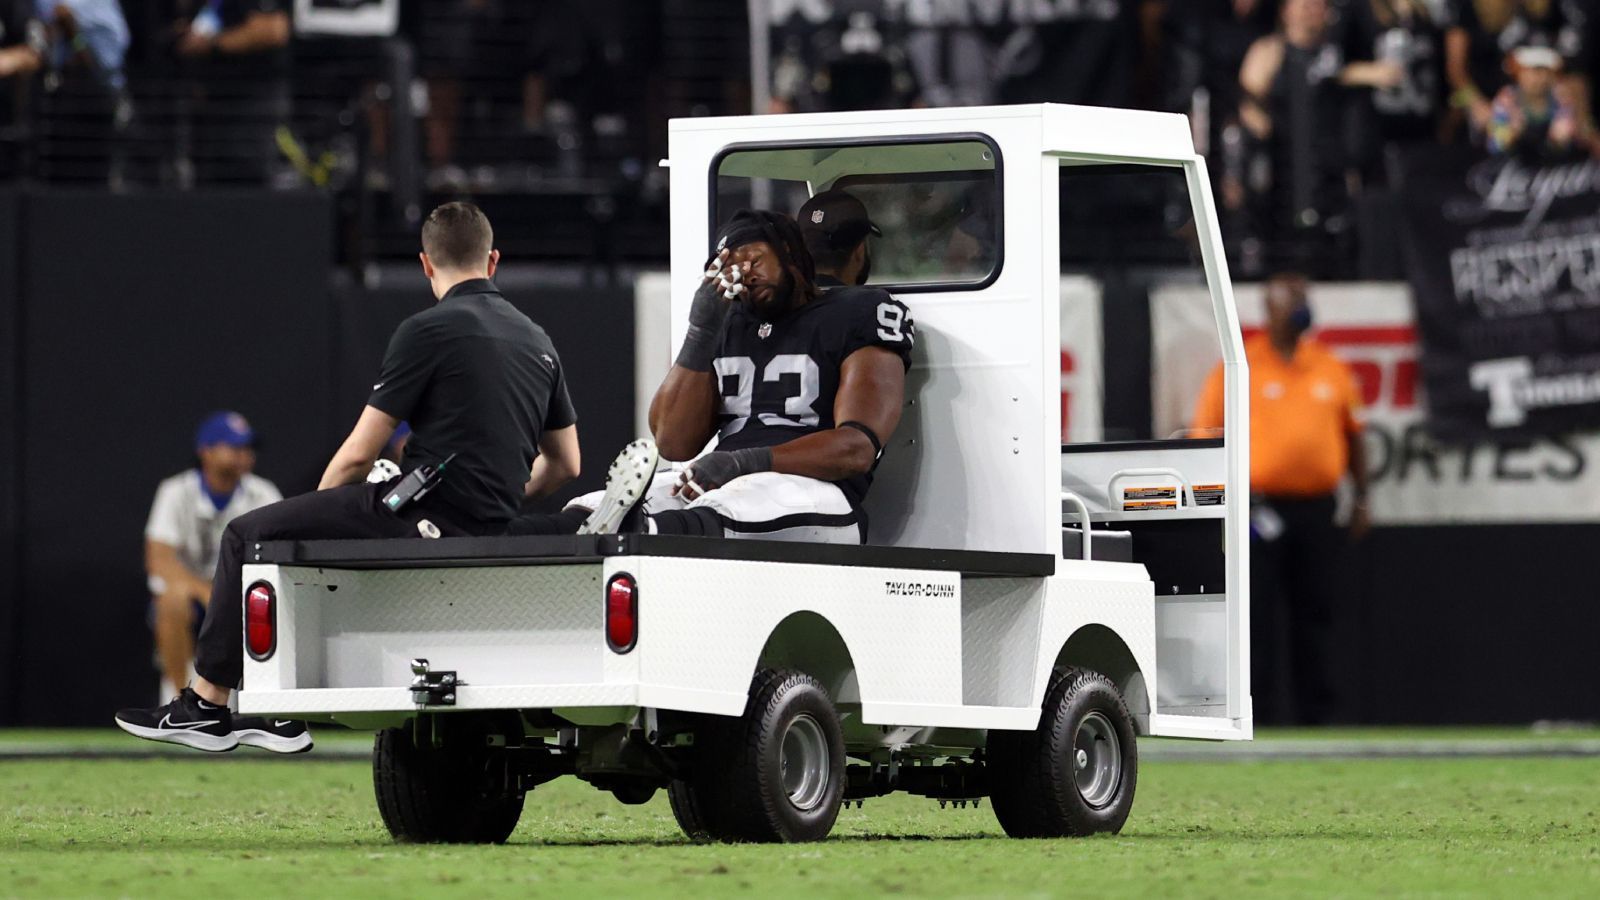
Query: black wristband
{"x": 698, "y": 350}
{"x": 877, "y": 445}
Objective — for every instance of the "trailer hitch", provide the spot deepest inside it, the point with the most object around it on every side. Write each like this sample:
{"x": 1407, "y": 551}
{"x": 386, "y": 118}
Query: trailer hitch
{"x": 430, "y": 688}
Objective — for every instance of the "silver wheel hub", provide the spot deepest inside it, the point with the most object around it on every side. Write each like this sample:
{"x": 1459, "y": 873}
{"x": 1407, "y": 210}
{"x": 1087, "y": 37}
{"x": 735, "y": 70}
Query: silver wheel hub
{"x": 804, "y": 762}
{"x": 1097, "y": 760}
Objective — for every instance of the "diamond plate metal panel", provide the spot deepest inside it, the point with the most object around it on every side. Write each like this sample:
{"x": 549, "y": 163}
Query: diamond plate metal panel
{"x": 1000, "y": 620}
{"x": 496, "y": 625}
{"x": 703, "y": 623}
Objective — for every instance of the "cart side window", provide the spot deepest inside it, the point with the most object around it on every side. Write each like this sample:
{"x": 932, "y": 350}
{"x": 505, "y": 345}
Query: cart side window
{"x": 937, "y": 201}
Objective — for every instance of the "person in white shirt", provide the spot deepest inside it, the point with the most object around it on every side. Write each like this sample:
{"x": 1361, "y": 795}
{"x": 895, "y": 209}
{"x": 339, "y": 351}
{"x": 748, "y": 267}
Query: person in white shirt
{"x": 184, "y": 532}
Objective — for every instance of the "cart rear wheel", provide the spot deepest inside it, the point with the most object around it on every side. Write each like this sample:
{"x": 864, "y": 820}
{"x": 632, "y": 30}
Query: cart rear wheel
{"x": 1076, "y": 773}
{"x": 689, "y": 807}
{"x": 448, "y": 795}
{"x": 776, "y": 774}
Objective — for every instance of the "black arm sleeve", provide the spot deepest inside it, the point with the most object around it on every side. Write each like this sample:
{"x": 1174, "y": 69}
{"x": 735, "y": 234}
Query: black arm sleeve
{"x": 407, "y": 368}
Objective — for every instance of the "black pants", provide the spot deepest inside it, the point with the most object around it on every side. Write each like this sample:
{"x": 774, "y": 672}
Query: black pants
{"x": 1295, "y": 580}
{"x": 353, "y": 511}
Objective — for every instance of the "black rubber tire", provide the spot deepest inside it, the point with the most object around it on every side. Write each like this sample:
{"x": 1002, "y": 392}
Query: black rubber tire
{"x": 689, "y": 808}
{"x": 696, "y": 797}
{"x": 1033, "y": 791}
{"x": 431, "y": 796}
{"x": 736, "y": 792}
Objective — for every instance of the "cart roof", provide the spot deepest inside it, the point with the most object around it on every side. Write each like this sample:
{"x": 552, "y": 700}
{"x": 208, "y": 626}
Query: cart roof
{"x": 1074, "y": 131}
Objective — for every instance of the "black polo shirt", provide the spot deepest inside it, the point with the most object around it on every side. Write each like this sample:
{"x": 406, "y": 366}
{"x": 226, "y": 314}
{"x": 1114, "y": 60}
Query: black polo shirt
{"x": 479, "y": 379}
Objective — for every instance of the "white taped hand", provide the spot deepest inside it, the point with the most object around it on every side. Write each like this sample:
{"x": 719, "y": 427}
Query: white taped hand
{"x": 731, "y": 281}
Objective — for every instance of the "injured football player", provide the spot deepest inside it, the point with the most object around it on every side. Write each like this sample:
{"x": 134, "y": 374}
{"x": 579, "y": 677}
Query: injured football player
{"x": 801, "y": 386}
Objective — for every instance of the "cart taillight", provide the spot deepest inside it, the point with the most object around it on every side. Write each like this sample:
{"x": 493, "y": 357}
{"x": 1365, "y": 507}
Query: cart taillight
{"x": 261, "y": 620}
{"x": 622, "y": 613}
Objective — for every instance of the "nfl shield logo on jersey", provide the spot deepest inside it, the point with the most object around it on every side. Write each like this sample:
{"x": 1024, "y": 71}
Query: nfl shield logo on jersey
{"x": 816, "y": 217}
{"x": 765, "y": 331}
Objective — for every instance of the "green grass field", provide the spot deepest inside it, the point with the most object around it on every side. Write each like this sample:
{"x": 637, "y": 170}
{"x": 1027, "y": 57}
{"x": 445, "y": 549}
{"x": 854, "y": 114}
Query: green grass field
{"x": 235, "y": 826}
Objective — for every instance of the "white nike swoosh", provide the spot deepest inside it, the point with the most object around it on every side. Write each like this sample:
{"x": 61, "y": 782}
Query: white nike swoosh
{"x": 166, "y": 722}
{"x": 379, "y": 385}
{"x": 279, "y": 724}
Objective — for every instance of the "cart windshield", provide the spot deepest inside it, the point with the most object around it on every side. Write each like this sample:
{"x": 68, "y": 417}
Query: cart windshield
{"x": 936, "y": 202}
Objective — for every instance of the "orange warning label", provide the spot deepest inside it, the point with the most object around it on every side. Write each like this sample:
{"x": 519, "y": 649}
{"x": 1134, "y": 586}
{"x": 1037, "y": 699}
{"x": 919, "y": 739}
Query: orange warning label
{"x": 1134, "y": 498}
{"x": 1132, "y": 505}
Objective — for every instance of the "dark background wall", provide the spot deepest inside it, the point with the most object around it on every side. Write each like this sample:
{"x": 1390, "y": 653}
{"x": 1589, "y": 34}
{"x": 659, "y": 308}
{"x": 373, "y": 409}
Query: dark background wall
{"x": 10, "y": 441}
{"x": 140, "y": 314}
{"x": 137, "y": 315}
{"x": 1484, "y": 623}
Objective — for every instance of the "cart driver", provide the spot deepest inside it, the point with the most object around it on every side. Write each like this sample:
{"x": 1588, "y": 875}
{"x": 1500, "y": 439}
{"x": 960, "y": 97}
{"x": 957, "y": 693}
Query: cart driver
{"x": 801, "y": 385}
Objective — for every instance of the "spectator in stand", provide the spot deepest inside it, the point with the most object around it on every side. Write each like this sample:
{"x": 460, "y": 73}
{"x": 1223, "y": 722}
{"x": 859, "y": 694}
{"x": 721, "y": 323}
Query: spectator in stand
{"x": 1091, "y": 53}
{"x": 1406, "y": 35}
{"x": 1482, "y": 32}
{"x": 80, "y": 104}
{"x": 865, "y": 73}
{"x": 24, "y": 39}
{"x": 1297, "y": 104}
{"x": 237, "y": 53}
{"x": 84, "y": 107}
{"x": 1208, "y": 40}
{"x": 1305, "y": 439}
{"x": 35, "y": 34}
{"x": 90, "y": 35}
{"x": 184, "y": 533}
{"x": 448, "y": 34}
{"x": 22, "y": 47}
{"x": 1530, "y": 117}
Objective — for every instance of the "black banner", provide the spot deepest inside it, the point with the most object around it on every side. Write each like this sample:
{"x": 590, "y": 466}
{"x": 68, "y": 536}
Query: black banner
{"x": 1504, "y": 256}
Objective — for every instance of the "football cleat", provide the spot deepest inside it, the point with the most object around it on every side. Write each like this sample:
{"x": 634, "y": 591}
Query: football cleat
{"x": 627, "y": 481}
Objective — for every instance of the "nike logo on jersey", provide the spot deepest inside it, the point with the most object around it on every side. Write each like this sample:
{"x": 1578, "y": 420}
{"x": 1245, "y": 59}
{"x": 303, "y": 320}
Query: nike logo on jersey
{"x": 379, "y": 386}
{"x": 166, "y": 722}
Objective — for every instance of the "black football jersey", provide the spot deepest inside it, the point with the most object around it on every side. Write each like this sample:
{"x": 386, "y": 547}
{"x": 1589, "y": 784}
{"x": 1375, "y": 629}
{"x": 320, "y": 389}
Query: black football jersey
{"x": 778, "y": 381}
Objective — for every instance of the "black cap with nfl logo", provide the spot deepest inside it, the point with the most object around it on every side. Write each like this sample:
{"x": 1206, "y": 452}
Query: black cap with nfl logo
{"x": 835, "y": 219}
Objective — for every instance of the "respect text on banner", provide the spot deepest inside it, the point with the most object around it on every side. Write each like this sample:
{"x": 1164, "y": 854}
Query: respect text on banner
{"x": 1504, "y": 258}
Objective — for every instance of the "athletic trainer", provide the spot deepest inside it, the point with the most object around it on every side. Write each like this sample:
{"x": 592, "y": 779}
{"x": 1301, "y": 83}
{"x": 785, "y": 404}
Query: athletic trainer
{"x": 801, "y": 388}
{"x": 482, "y": 388}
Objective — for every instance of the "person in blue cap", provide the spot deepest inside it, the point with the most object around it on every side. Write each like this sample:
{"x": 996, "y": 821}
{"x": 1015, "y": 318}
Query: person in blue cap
{"x": 184, "y": 532}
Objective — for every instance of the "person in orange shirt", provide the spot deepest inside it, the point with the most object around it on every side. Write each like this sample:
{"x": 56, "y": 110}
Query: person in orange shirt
{"x": 1305, "y": 439}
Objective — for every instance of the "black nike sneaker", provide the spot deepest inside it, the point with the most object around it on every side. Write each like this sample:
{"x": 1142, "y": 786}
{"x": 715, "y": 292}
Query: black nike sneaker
{"x": 187, "y": 720}
{"x": 277, "y": 735}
